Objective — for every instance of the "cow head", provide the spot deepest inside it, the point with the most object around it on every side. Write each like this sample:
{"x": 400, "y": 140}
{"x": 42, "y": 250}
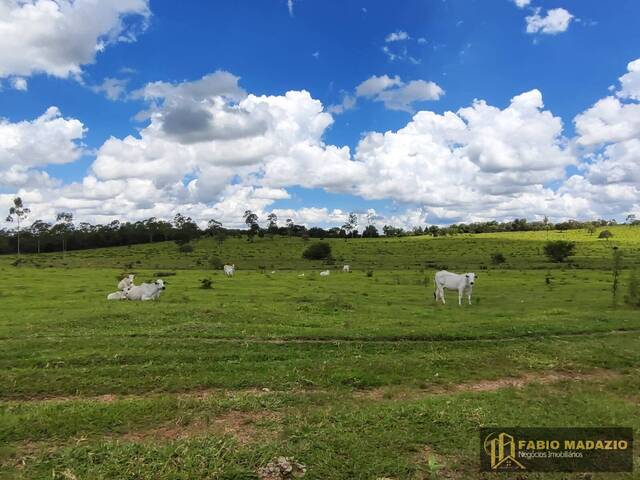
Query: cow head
{"x": 471, "y": 278}
{"x": 160, "y": 284}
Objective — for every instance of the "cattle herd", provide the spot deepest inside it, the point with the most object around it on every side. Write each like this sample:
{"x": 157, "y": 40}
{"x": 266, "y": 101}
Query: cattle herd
{"x": 443, "y": 280}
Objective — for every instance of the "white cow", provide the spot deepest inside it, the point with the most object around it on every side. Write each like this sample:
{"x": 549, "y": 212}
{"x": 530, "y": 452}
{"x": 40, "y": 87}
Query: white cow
{"x": 346, "y": 269}
{"x": 119, "y": 295}
{"x": 452, "y": 281}
{"x": 230, "y": 270}
{"x": 126, "y": 282}
{"x": 146, "y": 291}
{"x": 325, "y": 273}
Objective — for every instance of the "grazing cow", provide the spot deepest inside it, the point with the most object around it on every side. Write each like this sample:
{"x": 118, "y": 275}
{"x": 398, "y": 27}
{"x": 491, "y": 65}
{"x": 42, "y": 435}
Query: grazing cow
{"x": 452, "y": 281}
{"x": 230, "y": 270}
{"x": 325, "y": 273}
{"x": 346, "y": 269}
{"x": 146, "y": 291}
{"x": 126, "y": 282}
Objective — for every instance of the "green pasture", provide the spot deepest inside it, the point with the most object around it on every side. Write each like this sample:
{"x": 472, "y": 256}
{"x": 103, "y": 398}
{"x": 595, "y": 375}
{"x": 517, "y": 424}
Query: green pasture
{"x": 358, "y": 375}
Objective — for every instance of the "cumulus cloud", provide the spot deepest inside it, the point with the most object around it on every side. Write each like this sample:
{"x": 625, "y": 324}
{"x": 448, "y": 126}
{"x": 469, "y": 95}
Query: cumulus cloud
{"x": 630, "y": 81}
{"x": 58, "y": 37}
{"x": 19, "y": 83}
{"x": 397, "y": 95}
{"x": 556, "y": 21}
{"x": 113, "y": 88}
{"x": 397, "y": 36}
{"x": 522, "y": 3}
{"x": 46, "y": 140}
{"x": 212, "y": 150}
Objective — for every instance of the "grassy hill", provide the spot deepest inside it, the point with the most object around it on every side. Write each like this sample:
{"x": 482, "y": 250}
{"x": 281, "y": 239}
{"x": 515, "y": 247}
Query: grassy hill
{"x": 522, "y": 250}
{"x": 359, "y": 376}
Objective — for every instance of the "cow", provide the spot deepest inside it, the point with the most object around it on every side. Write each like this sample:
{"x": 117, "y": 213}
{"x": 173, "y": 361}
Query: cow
{"x": 119, "y": 295}
{"x": 346, "y": 269}
{"x": 126, "y": 282}
{"x": 146, "y": 291}
{"x": 325, "y": 273}
{"x": 453, "y": 281}
{"x": 229, "y": 270}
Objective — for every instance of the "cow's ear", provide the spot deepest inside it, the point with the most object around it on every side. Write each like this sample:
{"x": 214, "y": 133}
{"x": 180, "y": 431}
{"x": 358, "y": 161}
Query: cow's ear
{"x": 467, "y": 275}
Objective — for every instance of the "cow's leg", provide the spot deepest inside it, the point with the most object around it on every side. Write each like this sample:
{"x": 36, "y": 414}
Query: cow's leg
{"x": 441, "y": 292}
{"x": 459, "y": 297}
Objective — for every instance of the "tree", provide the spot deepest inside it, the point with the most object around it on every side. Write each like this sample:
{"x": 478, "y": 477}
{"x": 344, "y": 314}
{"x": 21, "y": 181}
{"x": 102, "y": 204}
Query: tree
{"x": 272, "y": 218}
{"x": 38, "y": 229}
{"x": 251, "y": 219}
{"x": 351, "y": 224}
{"x": 370, "y": 231}
{"x": 213, "y": 227}
{"x": 186, "y": 229}
{"x": 559, "y": 250}
{"x": 17, "y": 214}
{"x": 631, "y": 219}
{"x": 64, "y": 224}
{"x": 317, "y": 251}
{"x": 290, "y": 226}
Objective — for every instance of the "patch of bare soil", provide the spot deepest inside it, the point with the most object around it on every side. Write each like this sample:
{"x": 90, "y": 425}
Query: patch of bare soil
{"x": 540, "y": 378}
{"x": 240, "y": 425}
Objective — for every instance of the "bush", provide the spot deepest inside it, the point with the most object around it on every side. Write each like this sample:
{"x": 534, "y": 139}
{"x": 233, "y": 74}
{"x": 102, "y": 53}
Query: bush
{"x": 498, "y": 258}
{"x": 317, "y": 251}
{"x": 215, "y": 263}
{"x": 559, "y": 250}
{"x": 186, "y": 248}
{"x": 606, "y": 234}
{"x": 206, "y": 283}
{"x": 369, "y": 273}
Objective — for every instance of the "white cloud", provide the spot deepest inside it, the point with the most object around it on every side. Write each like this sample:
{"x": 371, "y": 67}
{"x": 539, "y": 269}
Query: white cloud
{"x": 556, "y": 21}
{"x": 26, "y": 145}
{"x": 397, "y": 36}
{"x": 290, "y": 7}
{"x": 19, "y": 83}
{"x": 237, "y": 150}
{"x": 373, "y": 85}
{"x": 397, "y": 95}
{"x": 59, "y": 37}
{"x": 113, "y": 88}
{"x": 522, "y": 3}
{"x": 630, "y": 81}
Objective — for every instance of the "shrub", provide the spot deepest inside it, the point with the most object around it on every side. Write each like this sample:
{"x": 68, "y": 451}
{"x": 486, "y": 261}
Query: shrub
{"x": 206, "y": 283}
{"x": 498, "y": 258}
{"x": 317, "y": 251}
{"x": 215, "y": 263}
{"x": 186, "y": 248}
{"x": 559, "y": 250}
{"x": 369, "y": 273}
{"x": 606, "y": 234}
{"x": 164, "y": 274}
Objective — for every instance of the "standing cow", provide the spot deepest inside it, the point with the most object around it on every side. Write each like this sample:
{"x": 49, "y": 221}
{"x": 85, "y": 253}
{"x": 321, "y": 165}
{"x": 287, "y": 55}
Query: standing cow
{"x": 453, "y": 281}
{"x": 230, "y": 270}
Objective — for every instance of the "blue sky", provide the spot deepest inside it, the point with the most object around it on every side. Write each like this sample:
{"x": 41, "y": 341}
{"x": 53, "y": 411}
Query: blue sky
{"x": 469, "y": 49}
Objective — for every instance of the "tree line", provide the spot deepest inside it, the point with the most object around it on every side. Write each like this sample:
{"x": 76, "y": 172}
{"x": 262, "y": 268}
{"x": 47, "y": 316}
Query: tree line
{"x": 65, "y": 234}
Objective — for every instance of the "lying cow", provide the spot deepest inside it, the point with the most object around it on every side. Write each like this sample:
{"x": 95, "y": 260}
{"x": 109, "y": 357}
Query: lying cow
{"x": 230, "y": 270}
{"x": 452, "y": 281}
{"x": 325, "y": 273}
{"x": 146, "y": 291}
{"x": 119, "y": 295}
{"x": 126, "y": 282}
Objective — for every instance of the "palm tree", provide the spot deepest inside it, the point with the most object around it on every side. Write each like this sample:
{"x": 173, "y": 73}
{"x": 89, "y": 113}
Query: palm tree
{"x": 17, "y": 213}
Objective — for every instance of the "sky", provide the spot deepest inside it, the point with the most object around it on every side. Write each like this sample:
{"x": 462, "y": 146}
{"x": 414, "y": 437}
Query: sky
{"x": 411, "y": 112}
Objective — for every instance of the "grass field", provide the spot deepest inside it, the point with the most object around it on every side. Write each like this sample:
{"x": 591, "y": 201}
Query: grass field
{"x": 357, "y": 376}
